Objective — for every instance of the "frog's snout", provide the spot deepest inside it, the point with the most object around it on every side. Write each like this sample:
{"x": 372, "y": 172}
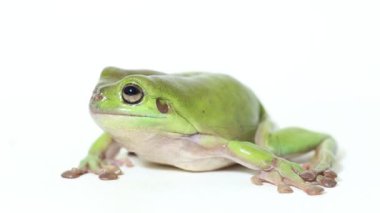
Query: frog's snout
{"x": 97, "y": 97}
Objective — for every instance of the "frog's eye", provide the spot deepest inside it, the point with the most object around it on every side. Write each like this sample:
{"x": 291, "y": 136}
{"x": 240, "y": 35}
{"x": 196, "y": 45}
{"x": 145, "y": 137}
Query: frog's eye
{"x": 132, "y": 94}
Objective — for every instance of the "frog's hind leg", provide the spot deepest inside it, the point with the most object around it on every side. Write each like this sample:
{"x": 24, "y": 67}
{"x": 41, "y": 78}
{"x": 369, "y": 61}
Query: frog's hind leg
{"x": 293, "y": 141}
{"x": 273, "y": 169}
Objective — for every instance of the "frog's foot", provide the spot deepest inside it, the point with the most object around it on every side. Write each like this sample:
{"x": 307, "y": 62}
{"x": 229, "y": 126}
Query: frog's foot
{"x": 319, "y": 171}
{"x": 285, "y": 174}
{"x": 324, "y": 178}
{"x": 95, "y": 165}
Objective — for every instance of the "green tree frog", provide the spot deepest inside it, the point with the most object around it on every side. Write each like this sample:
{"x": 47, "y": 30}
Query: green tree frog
{"x": 199, "y": 122}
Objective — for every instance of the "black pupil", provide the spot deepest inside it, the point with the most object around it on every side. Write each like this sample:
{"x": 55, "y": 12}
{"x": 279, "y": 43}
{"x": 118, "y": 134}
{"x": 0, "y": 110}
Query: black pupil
{"x": 131, "y": 90}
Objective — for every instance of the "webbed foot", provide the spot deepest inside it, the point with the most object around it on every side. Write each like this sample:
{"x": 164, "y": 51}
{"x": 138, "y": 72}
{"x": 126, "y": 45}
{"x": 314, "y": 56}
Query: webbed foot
{"x": 96, "y": 165}
{"x": 285, "y": 174}
{"x": 324, "y": 178}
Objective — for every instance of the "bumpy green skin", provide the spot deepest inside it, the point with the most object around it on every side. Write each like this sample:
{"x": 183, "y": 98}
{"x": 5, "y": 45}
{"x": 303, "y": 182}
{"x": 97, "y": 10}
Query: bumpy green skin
{"x": 202, "y": 99}
{"x": 226, "y": 115}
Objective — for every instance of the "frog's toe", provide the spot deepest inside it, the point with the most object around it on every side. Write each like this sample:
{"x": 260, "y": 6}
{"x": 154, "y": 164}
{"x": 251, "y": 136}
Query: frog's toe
{"x": 329, "y": 173}
{"x": 108, "y": 176}
{"x": 109, "y": 172}
{"x": 308, "y": 175}
{"x": 256, "y": 180}
{"x": 313, "y": 190}
{"x": 272, "y": 177}
{"x": 324, "y": 178}
{"x": 73, "y": 173}
{"x": 327, "y": 182}
{"x": 284, "y": 188}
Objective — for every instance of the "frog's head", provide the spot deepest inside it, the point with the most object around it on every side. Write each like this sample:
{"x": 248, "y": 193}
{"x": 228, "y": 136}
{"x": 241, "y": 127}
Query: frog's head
{"x": 135, "y": 100}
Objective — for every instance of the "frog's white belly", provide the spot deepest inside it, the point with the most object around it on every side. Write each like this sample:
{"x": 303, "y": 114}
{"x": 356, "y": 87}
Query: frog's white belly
{"x": 172, "y": 149}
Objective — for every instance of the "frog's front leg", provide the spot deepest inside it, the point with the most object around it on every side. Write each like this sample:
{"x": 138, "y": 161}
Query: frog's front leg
{"x": 273, "y": 169}
{"x": 100, "y": 160}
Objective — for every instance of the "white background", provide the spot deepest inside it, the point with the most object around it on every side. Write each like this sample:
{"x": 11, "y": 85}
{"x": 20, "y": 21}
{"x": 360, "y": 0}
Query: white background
{"x": 312, "y": 63}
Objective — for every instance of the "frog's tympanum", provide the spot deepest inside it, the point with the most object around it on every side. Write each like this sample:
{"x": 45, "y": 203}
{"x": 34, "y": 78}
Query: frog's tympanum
{"x": 199, "y": 122}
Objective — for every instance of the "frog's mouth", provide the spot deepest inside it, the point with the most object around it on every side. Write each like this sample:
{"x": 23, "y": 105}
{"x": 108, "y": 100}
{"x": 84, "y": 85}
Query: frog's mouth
{"x": 99, "y": 112}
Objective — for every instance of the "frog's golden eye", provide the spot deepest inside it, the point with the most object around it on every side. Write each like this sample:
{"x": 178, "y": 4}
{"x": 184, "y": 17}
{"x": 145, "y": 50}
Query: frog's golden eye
{"x": 132, "y": 94}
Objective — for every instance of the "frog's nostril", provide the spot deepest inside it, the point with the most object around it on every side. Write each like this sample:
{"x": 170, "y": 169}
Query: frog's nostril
{"x": 97, "y": 97}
